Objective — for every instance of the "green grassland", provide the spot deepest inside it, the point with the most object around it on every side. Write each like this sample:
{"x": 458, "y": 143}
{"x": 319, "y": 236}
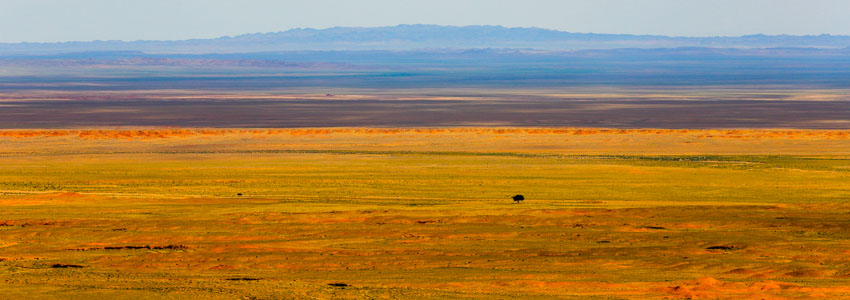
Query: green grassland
{"x": 421, "y": 224}
{"x": 441, "y": 178}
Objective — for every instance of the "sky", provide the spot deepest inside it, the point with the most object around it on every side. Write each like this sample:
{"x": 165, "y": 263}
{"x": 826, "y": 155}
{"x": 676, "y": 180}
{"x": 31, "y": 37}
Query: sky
{"x": 86, "y": 20}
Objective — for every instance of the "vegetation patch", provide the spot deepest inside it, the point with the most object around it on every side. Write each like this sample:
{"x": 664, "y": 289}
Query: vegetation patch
{"x": 148, "y": 247}
{"x": 66, "y": 266}
{"x": 725, "y": 247}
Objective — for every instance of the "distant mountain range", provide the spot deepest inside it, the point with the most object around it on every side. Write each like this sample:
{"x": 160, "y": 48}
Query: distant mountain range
{"x": 419, "y": 37}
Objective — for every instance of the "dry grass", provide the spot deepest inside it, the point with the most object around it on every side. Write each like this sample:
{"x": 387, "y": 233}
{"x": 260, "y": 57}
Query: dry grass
{"x": 526, "y": 140}
{"x": 424, "y": 213}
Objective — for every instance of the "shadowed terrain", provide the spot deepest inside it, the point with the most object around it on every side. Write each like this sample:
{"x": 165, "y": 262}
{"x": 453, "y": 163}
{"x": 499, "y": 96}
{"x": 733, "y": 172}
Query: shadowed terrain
{"x": 624, "y": 88}
{"x": 769, "y": 109}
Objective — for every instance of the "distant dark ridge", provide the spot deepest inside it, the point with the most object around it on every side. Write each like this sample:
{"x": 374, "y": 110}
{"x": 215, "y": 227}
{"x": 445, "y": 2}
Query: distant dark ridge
{"x": 409, "y": 37}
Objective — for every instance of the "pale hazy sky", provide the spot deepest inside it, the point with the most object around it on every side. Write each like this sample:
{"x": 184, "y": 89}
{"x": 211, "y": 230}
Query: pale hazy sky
{"x": 68, "y": 20}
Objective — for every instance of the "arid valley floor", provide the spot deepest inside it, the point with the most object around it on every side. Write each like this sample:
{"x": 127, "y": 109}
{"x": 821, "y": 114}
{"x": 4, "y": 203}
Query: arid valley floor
{"x": 424, "y": 213}
{"x": 686, "y": 173}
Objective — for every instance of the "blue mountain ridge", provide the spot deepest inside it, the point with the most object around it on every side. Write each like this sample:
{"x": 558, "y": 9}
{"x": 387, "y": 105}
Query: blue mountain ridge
{"x": 422, "y": 37}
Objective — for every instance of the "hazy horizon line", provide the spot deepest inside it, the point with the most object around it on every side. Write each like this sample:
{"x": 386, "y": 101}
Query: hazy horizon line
{"x": 426, "y": 24}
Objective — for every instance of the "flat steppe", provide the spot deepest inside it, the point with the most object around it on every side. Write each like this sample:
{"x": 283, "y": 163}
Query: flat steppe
{"x": 424, "y": 213}
{"x": 88, "y": 105}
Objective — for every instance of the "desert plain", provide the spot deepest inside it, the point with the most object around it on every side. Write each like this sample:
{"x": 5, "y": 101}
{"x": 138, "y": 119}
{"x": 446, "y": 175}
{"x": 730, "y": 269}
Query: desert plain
{"x": 647, "y": 174}
{"x": 390, "y": 213}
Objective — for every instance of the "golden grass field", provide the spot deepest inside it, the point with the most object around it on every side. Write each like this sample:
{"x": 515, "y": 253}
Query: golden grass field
{"x": 424, "y": 213}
